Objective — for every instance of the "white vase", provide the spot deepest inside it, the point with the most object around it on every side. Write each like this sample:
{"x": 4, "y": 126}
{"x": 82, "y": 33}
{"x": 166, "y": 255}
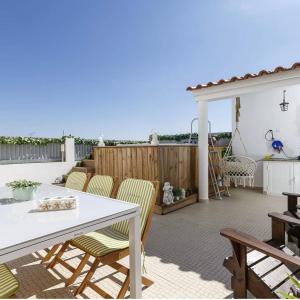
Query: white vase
{"x": 24, "y": 194}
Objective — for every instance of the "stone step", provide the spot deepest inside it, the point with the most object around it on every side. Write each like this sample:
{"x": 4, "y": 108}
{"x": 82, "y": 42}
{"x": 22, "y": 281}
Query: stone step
{"x": 89, "y": 163}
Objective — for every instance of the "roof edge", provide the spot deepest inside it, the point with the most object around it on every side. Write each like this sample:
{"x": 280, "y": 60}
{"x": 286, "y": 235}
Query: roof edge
{"x": 261, "y": 73}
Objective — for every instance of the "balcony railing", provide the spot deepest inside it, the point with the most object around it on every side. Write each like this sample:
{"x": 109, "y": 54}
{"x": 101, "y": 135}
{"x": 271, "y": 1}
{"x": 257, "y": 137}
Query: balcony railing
{"x": 11, "y": 154}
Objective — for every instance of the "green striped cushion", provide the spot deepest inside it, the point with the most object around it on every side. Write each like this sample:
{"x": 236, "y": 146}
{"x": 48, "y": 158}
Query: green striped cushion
{"x": 101, "y": 185}
{"x": 136, "y": 191}
{"x": 101, "y": 242}
{"x": 8, "y": 283}
{"x": 115, "y": 237}
{"x": 76, "y": 181}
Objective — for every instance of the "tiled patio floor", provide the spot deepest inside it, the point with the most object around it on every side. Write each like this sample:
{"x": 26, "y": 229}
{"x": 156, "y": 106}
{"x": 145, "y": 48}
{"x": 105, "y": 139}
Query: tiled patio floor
{"x": 184, "y": 252}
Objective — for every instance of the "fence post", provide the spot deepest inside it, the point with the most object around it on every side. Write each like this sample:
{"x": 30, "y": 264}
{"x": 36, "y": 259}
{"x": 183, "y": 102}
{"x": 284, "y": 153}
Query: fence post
{"x": 70, "y": 150}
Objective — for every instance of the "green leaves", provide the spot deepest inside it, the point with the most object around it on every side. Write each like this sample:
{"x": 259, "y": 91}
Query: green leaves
{"x": 287, "y": 296}
{"x": 23, "y": 184}
{"x": 185, "y": 136}
{"x": 39, "y": 141}
{"x": 296, "y": 283}
{"x": 20, "y": 140}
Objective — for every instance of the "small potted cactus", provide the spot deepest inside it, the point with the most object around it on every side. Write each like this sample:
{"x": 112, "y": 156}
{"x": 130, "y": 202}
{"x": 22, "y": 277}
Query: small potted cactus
{"x": 23, "y": 190}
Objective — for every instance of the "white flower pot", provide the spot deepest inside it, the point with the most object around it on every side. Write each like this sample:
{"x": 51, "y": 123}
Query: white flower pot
{"x": 24, "y": 194}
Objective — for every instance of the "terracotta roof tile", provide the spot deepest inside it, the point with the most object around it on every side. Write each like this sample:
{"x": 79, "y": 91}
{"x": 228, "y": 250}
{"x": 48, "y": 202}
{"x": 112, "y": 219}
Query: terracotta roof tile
{"x": 246, "y": 76}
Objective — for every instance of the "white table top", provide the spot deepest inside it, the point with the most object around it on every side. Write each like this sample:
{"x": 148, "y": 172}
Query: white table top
{"x": 19, "y": 223}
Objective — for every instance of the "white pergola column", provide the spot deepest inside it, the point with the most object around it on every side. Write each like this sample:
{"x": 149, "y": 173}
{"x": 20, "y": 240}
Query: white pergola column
{"x": 203, "y": 151}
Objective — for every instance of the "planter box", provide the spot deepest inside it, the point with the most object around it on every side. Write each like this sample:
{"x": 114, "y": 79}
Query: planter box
{"x": 165, "y": 209}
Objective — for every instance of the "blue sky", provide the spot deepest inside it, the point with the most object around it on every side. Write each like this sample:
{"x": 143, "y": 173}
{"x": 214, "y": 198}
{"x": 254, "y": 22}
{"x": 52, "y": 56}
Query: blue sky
{"x": 121, "y": 67}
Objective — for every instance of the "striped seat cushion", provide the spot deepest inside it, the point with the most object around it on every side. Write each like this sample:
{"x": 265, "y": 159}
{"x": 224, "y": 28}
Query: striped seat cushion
{"x": 8, "y": 283}
{"x": 76, "y": 181}
{"x": 101, "y": 242}
{"x": 136, "y": 191}
{"x": 101, "y": 185}
{"x": 115, "y": 237}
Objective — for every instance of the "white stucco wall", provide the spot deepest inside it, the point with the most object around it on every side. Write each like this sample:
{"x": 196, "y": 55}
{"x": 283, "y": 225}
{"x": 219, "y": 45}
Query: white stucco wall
{"x": 41, "y": 172}
{"x": 45, "y": 172}
{"x": 261, "y": 112}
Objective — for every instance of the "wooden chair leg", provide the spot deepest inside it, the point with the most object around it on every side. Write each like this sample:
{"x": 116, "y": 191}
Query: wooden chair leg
{"x": 78, "y": 270}
{"x": 239, "y": 278}
{"x": 146, "y": 281}
{"x": 50, "y": 253}
{"x": 124, "y": 270}
{"x": 124, "y": 287}
{"x": 58, "y": 255}
{"x": 88, "y": 276}
{"x": 278, "y": 231}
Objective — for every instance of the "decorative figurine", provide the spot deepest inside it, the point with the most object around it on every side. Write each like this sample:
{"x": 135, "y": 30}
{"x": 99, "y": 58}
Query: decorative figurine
{"x": 154, "y": 138}
{"x": 58, "y": 180}
{"x": 168, "y": 194}
{"x": 101, "y": 142}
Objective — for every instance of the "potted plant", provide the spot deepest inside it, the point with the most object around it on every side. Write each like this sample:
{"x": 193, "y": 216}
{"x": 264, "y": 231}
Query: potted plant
{"x": 177, "y": 194}
{"x": 23, "y": 190}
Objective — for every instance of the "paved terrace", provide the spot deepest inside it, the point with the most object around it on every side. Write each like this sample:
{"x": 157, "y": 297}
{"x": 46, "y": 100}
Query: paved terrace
{"x": 184, "y": 252}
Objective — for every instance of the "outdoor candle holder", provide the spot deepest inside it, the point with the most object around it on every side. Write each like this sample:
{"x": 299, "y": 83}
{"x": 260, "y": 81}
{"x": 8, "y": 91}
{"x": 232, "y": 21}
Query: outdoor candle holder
{"x": 58, "y": 203}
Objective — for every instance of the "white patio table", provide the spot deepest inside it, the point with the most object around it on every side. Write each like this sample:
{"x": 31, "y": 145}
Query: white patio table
{"x": 23, "y": 230}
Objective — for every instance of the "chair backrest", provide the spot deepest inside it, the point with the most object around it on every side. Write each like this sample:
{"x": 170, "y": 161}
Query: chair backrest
{"x": 76, "y": 181}
{"x": 101, "y": 185}
{"x": 141, "y": 192}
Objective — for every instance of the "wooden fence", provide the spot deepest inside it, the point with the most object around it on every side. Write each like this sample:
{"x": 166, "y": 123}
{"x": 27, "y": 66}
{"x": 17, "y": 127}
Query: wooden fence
{"x": 177, "y": 164}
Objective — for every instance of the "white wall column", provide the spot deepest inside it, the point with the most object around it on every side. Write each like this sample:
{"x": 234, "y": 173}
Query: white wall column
{"x": 70, "y": 150}
{"x": 203, "y": 150}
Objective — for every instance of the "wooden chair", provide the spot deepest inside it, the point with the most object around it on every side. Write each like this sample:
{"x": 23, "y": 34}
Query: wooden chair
{"x": 111, "y": 244}
{"x": 263, "y": 268}
{"x": 101, "y": 185}
{"x": 79, "y": 181}
{"x": 293, "y": 231}
{"x": 292, "y": 201}
{"x": 8, "y": 282}
{"x": 76, "y": 181}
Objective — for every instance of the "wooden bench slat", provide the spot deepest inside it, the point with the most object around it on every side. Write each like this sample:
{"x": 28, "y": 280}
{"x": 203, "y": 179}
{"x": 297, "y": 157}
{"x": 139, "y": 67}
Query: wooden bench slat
{"x": 265, "y": 266}
{"x": 288, "y": 251}
{"x": 255, "y": 256}
{"x": 278, "y": 276}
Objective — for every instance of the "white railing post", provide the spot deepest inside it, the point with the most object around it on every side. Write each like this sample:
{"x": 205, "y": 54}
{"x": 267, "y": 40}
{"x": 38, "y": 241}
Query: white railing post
{"x": 70, "y": 150}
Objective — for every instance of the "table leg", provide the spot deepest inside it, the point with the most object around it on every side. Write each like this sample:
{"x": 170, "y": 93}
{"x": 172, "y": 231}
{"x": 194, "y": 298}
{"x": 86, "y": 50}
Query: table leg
{"x": 135, "y": 257}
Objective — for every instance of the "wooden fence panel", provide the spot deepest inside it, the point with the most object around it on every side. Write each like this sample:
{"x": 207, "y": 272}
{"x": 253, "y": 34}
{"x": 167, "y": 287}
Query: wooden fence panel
{"x": 177, "y": 164}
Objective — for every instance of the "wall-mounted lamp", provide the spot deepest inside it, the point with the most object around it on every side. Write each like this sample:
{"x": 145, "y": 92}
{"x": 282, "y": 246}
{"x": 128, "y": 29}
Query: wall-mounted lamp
{"x": 284, "y": 105}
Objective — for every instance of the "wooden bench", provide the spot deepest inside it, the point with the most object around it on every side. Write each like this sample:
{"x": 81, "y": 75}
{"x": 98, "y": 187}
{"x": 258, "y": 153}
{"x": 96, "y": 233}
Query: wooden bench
{"x": 293, "y": 230}
{"x": 263, "y": 268}
{"x": 292, "y": 201}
